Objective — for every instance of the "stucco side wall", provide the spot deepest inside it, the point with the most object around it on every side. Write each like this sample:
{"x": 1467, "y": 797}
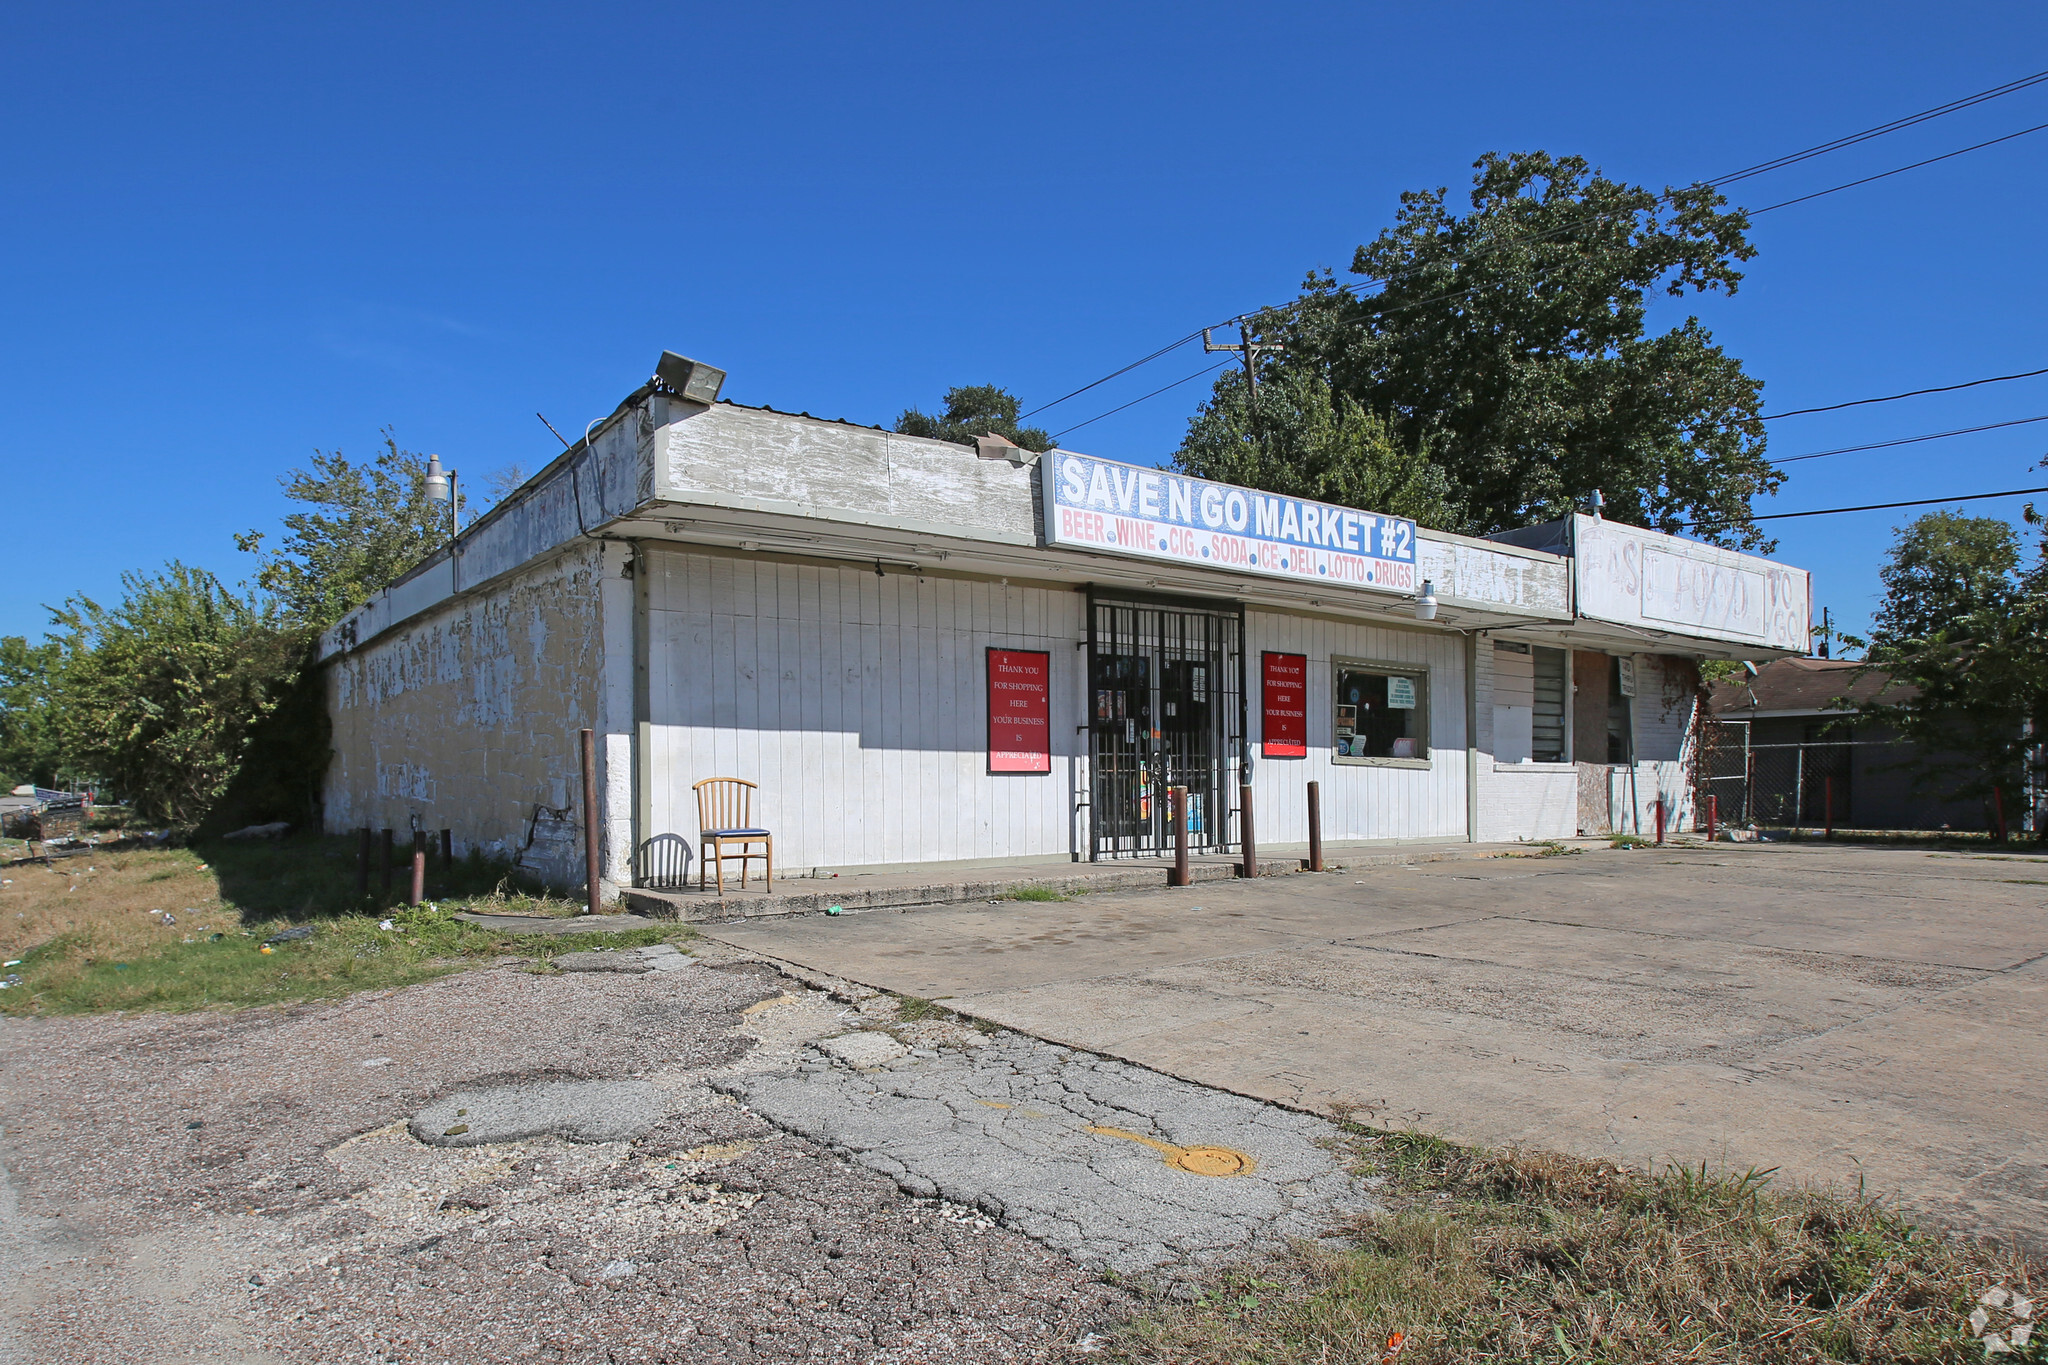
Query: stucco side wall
{"x": 466, "y": 718}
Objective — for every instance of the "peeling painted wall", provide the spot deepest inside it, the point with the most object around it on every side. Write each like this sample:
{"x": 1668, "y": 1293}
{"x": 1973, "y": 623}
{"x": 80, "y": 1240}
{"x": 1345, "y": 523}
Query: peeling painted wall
{"x": 466, "y": 719}
{"x": 859, "y": 705}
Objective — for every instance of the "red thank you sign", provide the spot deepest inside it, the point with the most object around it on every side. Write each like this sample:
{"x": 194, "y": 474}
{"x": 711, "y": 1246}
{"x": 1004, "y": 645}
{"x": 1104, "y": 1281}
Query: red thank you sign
{"x": 1019, "y": 711}
{"x": 1285, "y": 689}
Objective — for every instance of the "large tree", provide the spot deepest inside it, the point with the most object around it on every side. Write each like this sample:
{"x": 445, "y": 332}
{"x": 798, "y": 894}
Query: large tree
{"x": 971, "y": 411}
{"x": 1965, "y": 628}
{"x": 160, "y": 695}
{"x": 1512, "y": 342}
{"x": 30, "y": 748}
{"x": 1310, "y": 443}
{"x": 366, "y": 524}
{"x": 1942, "y": 568}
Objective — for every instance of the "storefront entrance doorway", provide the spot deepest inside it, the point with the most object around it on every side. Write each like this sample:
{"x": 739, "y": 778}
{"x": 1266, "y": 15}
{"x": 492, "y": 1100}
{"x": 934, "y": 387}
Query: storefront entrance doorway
{"x": 1166, "y": 707}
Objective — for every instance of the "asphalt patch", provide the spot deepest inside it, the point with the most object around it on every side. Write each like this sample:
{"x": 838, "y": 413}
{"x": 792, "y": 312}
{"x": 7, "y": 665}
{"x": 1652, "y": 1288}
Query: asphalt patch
{"x": 577, "y": 1111}
{"x": 1111, "y": 1164}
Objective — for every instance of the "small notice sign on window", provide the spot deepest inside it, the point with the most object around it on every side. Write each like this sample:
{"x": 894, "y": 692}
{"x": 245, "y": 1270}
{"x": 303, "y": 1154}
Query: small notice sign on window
{"x": 1286, "y": 694}
{"x": 1019, "y": 711}
{"x": 1400, "y": 694}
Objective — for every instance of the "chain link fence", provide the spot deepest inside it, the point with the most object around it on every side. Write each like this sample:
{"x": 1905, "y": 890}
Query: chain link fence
{"x": 1843, "y": 783}
{"x": 1786, "y": 784}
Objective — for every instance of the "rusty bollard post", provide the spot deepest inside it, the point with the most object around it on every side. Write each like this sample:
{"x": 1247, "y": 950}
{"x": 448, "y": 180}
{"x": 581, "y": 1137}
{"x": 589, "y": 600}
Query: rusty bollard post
{"x": 1660, "y": 820}
{"x": 590, "y": 877}
{"x": 363, "y": 861}
{"x": 1315, "y": 827}
{"x": 1177, "y": 803}
{"x": 385, "y": 859}
{"x": 1713, "y": 812}
{"x": 418, "y": 892}
{"x": 1251, "y": 843}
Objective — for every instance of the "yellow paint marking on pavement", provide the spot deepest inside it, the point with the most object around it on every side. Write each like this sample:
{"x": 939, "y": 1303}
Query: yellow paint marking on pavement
{"x": 1194, "y": 1160}
{"x": 993, "y": 1104}
{"x": 761, "y": 1005}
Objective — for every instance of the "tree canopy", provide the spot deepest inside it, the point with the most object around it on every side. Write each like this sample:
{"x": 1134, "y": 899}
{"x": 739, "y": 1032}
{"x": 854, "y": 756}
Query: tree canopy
{"x": 1313, "y": 444}
{"x": 367, "y": 523}
{"x": 30, "y": 748}
{"x": 190, "y": 699}
{"x": 1943, "y": 568}
{"x": 1511, "y": 342}
{"x": 975, "y": 410}
{"x": 1965, "y": 626}
{"x": 160, "y": 695}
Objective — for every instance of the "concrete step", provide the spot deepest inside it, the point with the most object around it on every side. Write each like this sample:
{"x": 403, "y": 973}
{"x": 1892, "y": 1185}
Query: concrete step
{"x": 854, "y": 894}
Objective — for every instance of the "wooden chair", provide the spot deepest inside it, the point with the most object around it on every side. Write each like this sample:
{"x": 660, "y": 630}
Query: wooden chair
{"x": 725, "y": 815}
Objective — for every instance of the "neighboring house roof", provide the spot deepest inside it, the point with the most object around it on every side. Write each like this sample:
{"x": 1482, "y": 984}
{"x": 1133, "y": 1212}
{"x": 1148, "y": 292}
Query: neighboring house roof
{"x": 1805, "y": 687}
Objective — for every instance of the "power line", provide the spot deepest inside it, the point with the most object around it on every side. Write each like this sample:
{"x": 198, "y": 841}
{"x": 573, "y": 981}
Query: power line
{"x": 1849, "y": 140}
{"x": 1788, "y": 203}
{"x": 1106, "y": 378}
{"x": 1909, "y": 440}
{"x": 1895, "y": 397}
{"x": 1837, "y": 144}
{"x": 1135, "y": 401}
{"x": 1880, "y": 506}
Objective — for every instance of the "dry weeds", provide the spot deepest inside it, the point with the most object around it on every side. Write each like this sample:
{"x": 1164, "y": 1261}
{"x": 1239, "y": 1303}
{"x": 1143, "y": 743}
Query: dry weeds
{"x": 1515, "y": 1256}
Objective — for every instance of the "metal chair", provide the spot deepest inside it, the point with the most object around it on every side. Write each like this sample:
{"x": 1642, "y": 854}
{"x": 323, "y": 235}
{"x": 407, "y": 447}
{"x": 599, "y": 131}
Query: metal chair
{"x": 725, "y": 814}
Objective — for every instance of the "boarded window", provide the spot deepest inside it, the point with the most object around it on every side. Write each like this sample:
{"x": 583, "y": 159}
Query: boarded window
{"x": 1546, "y": 724}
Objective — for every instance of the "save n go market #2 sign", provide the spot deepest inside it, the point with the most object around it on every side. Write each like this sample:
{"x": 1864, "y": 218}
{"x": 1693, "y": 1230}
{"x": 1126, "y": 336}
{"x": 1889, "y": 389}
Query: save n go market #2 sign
{"x": 1103, "y": 505}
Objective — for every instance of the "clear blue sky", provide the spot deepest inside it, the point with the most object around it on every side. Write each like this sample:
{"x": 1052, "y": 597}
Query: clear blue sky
{"x": 235, "y": 235}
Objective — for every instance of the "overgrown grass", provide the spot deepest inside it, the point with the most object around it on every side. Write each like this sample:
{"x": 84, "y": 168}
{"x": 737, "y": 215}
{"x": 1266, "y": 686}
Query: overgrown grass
{"x": 162, "y": 928}
{"x": 1507, "y": 1256}
{"x": 910, "y": 1009}
{"x": 1038, "y": 893}
{"x": 1631, "y": 841}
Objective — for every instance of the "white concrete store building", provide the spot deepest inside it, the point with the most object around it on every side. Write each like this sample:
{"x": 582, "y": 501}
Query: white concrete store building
{"x": 827, "y": 610}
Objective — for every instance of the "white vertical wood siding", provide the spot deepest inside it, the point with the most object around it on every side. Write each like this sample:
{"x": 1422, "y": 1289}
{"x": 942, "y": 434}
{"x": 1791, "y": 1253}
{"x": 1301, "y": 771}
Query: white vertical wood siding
{"x": 1514, "y": 702}
{"x": 858, "y": 703}
{"x": 1359, "y": 801}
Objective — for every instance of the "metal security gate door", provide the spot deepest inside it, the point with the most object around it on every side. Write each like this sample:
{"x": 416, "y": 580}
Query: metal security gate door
{"x": 1166, "y": 690}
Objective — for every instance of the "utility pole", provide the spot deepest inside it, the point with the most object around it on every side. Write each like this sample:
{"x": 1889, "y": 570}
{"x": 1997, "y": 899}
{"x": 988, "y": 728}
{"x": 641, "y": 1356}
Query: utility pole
{"x": 1250, "y": 350}
{"x": 1827, "y": 632}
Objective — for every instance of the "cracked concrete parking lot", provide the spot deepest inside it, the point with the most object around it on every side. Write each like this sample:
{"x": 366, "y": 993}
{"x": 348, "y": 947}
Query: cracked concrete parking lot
{"x": 761, "y": 1155}
{"x": 711, "y": 1163}
{"x": 1847, "y": 1015}
{"x": 245, "y": 1188}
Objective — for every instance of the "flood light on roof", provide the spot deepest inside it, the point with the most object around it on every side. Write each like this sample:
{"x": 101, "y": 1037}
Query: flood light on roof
{"x": 691, "y": 379}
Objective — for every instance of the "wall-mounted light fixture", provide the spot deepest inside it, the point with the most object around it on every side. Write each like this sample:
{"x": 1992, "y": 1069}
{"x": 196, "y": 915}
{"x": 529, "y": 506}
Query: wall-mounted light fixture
{"x": 1425, "y": 602}
{"x": 441, "y": 488}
